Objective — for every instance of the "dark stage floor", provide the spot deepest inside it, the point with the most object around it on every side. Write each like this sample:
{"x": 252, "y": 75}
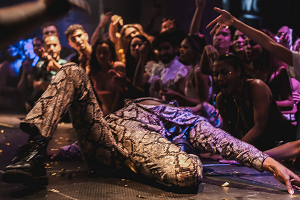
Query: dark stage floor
{"x": 77, "y": 182}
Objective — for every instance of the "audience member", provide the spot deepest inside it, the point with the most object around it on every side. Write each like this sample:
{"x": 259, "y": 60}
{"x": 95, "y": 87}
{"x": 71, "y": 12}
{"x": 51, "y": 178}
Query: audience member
{"x": 265, "y": 66}
{"x": 197, "y": 87}
{"x": 51, "y": 28}
{"x": 282, "y": 53}
{"x": 79, "y": 40}
{"x": 295, "y": 83}
{"x": 238, "y": 45}
{"x": 28, "y": 52}
{"x": 45, "y": 69}
{"x": 25, "y": 85}
{"x": 222, "y": 42}
{"x": 37, "y": 43}
{"x": 108, "y": 75}
{"x": 247, "y": 106}
{"x": 169, "y": 73}
{"x": 139, "y": 61}
{"x": 10, "y": 77}
{"x": 130, "y": 30}
{"x": 121, "y": 40}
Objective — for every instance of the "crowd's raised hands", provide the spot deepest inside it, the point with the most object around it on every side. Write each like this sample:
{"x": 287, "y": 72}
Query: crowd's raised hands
{"x": 106, "y": 18}
{"x": 225, "y": 19}
{"x": 116, "y": 19}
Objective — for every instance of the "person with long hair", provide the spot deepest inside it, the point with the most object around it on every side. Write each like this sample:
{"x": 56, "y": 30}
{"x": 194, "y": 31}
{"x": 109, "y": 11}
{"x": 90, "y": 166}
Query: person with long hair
{"x": 249, "y": 111}
{"x": 264, "y": 65}
{"x": 238, "y": 45}
{"x": 105, "y": 72}
{"x": 139, "y": 61}
{"x": 121, "y": 40}
{"x": 247, "y": 106}
{"x": 130, "y": 30}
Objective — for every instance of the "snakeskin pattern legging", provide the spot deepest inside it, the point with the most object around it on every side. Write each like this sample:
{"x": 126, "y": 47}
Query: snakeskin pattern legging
{"x": 130, "y": 138}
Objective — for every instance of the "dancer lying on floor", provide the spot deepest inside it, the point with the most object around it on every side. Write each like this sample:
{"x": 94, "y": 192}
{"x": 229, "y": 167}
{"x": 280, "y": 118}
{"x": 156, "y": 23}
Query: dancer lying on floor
{"x": 135, "y": 137}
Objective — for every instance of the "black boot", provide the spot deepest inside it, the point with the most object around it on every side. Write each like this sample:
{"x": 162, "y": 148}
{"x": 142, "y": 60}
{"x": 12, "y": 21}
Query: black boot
{"x": 28, "y": 167}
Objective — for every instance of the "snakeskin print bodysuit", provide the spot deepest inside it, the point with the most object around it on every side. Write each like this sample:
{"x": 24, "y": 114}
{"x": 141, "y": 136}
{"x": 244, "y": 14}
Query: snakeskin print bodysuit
{"x": 136, "y": 136}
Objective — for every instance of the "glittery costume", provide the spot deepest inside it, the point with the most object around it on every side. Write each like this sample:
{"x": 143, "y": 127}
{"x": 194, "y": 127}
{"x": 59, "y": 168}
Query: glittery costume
{"x": 135, "y": 136}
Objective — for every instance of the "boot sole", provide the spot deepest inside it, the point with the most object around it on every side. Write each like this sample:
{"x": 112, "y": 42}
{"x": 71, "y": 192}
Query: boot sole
{"x": 26, "y": 178}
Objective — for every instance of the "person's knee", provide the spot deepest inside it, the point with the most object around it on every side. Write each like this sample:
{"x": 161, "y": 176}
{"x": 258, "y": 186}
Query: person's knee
{"x": 69, "y": 67}
{"x": 72, "y": 71}
{"x": 190, "y": 172}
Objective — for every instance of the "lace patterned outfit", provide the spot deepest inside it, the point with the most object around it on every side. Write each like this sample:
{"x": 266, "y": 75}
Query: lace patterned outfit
{"x": 190, "y": 89}
{"x": 167, "y": 74}
{"x": 137, "y": 136}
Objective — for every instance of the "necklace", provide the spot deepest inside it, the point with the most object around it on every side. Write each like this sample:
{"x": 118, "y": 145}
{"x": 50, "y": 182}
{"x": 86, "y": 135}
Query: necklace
{"x": 240, "y": 128}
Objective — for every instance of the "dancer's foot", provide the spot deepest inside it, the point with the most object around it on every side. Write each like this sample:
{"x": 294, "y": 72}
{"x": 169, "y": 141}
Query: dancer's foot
{"x": 27, "y": 167}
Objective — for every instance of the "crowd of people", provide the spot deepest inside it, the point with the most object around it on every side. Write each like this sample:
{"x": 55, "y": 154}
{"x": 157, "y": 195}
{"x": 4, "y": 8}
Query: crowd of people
{"x": 138, "y": 101}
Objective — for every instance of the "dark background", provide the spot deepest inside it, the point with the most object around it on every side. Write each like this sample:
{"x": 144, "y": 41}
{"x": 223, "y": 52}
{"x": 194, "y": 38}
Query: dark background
{"x": 271, "y": 14}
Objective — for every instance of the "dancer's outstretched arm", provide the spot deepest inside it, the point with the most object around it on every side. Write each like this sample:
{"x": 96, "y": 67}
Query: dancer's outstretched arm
{"x": 226, "y": 19}
{"x": 214, "y": 140}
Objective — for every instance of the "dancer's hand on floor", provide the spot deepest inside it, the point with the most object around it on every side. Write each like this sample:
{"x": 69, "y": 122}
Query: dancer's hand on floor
{"x": 282, "y": 174}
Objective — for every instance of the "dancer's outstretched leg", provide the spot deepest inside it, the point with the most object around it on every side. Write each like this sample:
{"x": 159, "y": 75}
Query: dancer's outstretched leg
{"x": 70, "y": 88}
